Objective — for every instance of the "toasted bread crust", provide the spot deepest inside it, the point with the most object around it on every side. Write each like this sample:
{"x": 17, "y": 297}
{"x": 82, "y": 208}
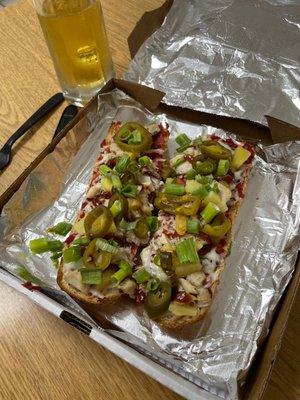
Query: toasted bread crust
{"x": 85, "y": 298}
{"x": 171, "y": 321}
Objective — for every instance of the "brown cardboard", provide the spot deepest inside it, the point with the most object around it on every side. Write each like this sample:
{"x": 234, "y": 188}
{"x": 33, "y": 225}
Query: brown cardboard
{"x": 147, "y": 25}
{"x": 262, "y": 366}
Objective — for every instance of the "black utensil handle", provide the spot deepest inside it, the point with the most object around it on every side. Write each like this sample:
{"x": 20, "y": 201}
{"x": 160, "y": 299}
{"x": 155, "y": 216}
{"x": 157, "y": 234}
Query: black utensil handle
{"x": 68, "y": 114}
{"x": 38, "y": 115}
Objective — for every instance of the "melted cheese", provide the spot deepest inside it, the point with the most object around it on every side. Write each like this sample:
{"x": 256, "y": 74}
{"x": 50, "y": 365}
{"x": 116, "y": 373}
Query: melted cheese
{"x": 153, "y": 269}
{"x": 210, "y": 261}
{"x": 73, "y": 266}
{"x": 184, "y": 168}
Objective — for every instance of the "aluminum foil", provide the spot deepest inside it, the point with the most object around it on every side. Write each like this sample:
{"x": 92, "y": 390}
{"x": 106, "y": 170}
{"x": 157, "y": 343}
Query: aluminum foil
{"x": 233, "y": 57}
{"x": 216, "y": 353}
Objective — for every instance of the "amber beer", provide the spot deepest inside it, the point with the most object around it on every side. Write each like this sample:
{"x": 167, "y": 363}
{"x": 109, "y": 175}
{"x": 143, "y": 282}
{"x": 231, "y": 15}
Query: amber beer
{"x": 75, "y": 34}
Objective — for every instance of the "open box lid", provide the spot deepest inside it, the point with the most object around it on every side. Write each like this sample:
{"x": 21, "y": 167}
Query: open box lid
{"x": 151, "y": 99}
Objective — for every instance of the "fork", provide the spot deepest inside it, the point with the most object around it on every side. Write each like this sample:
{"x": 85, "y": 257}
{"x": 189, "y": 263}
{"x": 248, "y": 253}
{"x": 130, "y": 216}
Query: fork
{"x": 6, "y": 151}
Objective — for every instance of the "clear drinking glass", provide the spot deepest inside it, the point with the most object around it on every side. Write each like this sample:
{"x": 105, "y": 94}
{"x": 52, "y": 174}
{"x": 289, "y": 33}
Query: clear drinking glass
{"x": 75, "y": 34}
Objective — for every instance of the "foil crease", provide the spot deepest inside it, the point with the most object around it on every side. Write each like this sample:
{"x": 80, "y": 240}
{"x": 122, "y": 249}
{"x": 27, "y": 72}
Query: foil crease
{"x": 215, "y": 354}
{"x": 238, "y": 58}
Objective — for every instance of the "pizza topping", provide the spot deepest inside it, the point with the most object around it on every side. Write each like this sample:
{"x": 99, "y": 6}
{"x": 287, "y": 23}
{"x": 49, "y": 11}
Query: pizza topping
{"x": 215, "y": 150}
{"x": 240, "y": 156}
{"x": 134, "y": 138}
{"x": 157, "y": 302}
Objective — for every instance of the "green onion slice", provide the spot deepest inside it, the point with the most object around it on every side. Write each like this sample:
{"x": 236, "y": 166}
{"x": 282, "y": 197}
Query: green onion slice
{"x": 178, "y": 162}
{"x": 191, "y": 174}
{"x": 62, "y": 228}
{"x": 105, "y": 170}
{"x": 81, "y": 241}
{"x": 209, "y": 212}
{"x": 201, "y": 192}
{"x": 122, "y": 163}
{"x": 42, "y": 245}
{"x": 91, "y": 276}
{"x": 116, "y": 181}
{"x": 124, "y": 271}
{"x": 72, "y": 254}
{"x": 127, "y": 226}
{"x": 116, "y": 208}
{"x": 183, "y": 140}
{"x": 223, "y": 167}
{"x": 186, "y": 251}
{"x": 145, "y": 161}
{"x": 129, "y": 190}
{"x": 141, "y": 275}
{"x": 27, "y": 276}
{"x": 175, "y": 189}
{"x": 102, "y": 244}
{"x": 152, "y": 223}
{"x": 193, "y": 226}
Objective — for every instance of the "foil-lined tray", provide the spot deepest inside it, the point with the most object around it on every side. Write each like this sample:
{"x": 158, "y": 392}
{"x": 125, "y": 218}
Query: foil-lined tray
{"x": 238, "y": 58}
{"x": 215, "y": 354}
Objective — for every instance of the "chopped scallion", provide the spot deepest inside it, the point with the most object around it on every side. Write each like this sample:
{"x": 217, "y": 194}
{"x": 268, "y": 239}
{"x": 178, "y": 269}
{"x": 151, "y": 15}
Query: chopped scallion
{"x": 204, "y": 179}
{"x": 193, "y": 226}
{"x": 81, "y": 241}
{"x": 127, "y": 226}
{"x": 124, "y": 271}
{"x": 183, "y": 140}
{"x": 116, "y": 208}
{"x": 122, "y": 163}
{"x": 62, "y": 228}
{"x": 141, "y": 275}
{"x": 152, "y": 223}
{"x": 223, "y": 167}
{"x": 42, "y": 245}
{"x": 116, "y": 181}
{"x": 27, "y": 276}
{"x": 91, "y": 276}
{"x": 181, "y": 149}
{"x": 209, "y": 212}
{"x": 105, "y": 170}
{"x": 175, "y": 189}
{"x": 145, "y": 161}
{"x": 197, "y": 142}
{"x": 191, "y": 174}
{"x": 129, "y": 191}
{"x": 102, "y": 244}
{"x": 135, "y": 137}
{"x": 178, "y": 162}
{"x": 201, "y": 192}
{"x": 71, "y": 254}
{"x": 186, "y": 252}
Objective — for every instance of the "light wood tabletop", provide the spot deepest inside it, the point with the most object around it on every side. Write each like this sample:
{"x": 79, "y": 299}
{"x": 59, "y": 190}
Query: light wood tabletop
{"x": 42, "y": 357}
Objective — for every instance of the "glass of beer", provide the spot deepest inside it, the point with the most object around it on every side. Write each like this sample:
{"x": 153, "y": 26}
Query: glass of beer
{"x": 75, "y": 34}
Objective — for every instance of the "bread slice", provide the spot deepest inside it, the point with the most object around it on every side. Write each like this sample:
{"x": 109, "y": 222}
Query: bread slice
{"x": 69, "y": 278}
{"x": 166, "y": 234}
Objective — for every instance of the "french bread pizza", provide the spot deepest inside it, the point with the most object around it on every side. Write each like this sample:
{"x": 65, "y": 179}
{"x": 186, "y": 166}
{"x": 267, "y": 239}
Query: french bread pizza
{"x": 152, "y": 228}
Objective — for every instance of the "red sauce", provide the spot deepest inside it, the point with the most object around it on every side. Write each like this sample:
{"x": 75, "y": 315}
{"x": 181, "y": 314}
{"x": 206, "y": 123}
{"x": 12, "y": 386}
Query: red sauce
{"x": 189, "y": 158}
{"x": 31, "y": 286}
{"x": 250, "y": 148}
{"x": 103, "y": 143}
{"x": 84, "y": 204}
{"x": 240, "y": 189}
{"x": 205, "y": 249}
{"x": 182, "y": 297}
{"x": 180, "y": 180}
{"x": 230, "y": 143}
{"x": 140, "y": 296}
{"x": 227, "y": 178}
{"x": 204, "y": 236}
{"x": 160, "y": 140}
{"x": 111, "y": 163}
{"x": 70, "y": 238}
{"x": 220, "y": 248}
{"x": 215, "y": 137}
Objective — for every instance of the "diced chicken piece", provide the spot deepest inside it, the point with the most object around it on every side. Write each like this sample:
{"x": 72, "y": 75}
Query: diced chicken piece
{"x": 204, "y": 297}
{"x": 225, "y": 193}
{"x": 94, "y": 190}
{"x": 128, "y": 286}
{"x": 196, "y": 279}
{"x": 184, "y": 168}
{"x": 187, "y": 286}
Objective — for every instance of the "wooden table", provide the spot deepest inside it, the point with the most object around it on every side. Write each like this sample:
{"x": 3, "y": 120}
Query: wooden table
{"x": 42, "y": 357}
